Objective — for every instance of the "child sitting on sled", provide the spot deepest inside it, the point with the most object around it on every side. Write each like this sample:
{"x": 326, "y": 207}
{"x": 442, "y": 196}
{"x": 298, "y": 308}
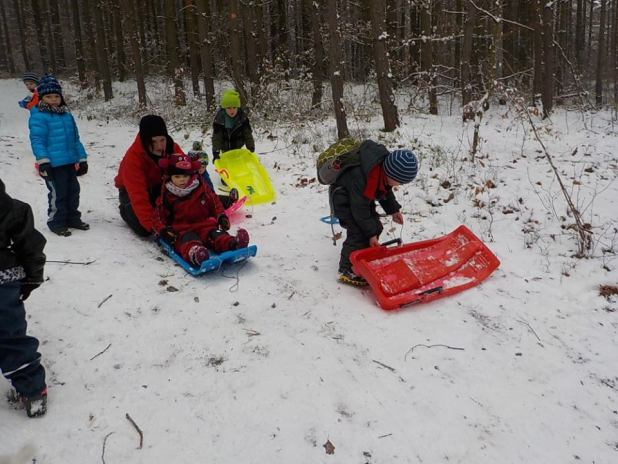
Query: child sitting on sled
{"x": 371, "y": 176}
{"x": 190, "y": 216}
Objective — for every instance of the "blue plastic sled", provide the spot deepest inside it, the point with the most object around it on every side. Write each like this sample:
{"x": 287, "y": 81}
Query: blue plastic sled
{"x": 214, "y": 262}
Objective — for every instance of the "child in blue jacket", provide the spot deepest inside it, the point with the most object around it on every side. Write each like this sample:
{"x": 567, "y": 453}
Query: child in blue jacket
{"x": 60, "y": 156}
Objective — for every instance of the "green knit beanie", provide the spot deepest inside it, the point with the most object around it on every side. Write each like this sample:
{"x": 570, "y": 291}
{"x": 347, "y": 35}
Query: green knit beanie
{"x": 230, "y": 99}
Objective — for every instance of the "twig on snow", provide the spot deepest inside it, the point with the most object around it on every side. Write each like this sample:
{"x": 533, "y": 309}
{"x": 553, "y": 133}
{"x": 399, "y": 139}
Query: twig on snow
{"x": 430, "y": 346}
{"x": 104, "y": 443}
{"x": 521, "y": 321}
{"x": 384, "y": 436}
{"x": 141, "y": 434}
{"x": 101, "y": 352}
{"x": 84, "y": 263}
{"x": 384, "y": 365}
{"x": 104, "y": 300}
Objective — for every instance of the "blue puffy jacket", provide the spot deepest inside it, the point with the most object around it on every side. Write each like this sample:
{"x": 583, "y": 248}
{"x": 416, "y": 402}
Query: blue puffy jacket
{"x": 54, "y": 138}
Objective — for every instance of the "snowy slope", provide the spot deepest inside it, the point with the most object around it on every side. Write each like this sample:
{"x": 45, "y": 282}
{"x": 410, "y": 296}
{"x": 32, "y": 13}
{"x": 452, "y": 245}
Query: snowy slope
{"x": 267, "y": 368}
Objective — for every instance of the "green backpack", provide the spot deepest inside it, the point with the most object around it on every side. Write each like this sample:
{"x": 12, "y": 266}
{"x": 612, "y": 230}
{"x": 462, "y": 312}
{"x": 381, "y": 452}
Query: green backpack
{"x": 338, "y": 157}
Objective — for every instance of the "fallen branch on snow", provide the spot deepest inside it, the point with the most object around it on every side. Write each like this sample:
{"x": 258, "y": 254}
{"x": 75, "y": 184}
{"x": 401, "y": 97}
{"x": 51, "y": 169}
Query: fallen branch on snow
{"x": 139, "y": 431}
{"x": 101, "y": 352}
{"x": 430, "y": 346}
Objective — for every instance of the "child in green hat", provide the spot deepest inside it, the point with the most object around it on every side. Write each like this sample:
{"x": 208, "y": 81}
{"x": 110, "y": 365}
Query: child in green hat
{"x": 231, "y": 128}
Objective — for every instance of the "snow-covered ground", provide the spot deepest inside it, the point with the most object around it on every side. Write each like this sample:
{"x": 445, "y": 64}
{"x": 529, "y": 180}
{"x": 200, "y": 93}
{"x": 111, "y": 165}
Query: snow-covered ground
{"x": 269, "y": 361}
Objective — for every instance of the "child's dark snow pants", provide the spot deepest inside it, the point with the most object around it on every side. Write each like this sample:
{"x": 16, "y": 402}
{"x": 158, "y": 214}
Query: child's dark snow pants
{"x": 19, "y": 360}
{"x": 63, "y": 198}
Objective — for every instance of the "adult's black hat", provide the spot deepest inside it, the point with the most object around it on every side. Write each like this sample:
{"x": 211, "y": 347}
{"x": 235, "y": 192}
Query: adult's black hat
{"x": 151, "y": 126}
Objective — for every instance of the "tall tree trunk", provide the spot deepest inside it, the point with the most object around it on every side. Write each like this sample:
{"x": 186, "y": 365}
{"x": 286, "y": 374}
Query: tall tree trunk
{"x": 79, "y": 50}
{"x": 40, "y": 35}
{"x": 291, "y": 36}
{"x": 206, "y": 52}
{"x": 22, "y": 34}
{"x": 157, "y": 27}
{"x": 466, "y": 54}
{"x": 498, "y": 41}
{"x": 92, "y": 62}
{"x": 600, "y": 56}
{"x": 53, "y": 64}
{"x": 141, "y": 27}
{"x": 336, "y": 68}
{"x": 129, "y": 13}
{"x": 427, "y": 55}
{"x": 57, "y": 35}
{"x": 548, "y": 57}
{"x": 263, "y": 26}
{"x": 235, "y": 34}
{"x": 589, "y": 43}
{"x": 313, "y": 13}
{"x": 615, "y": 55}
{"x": 537, "y": 25}
{"x": 407, "y": 34}
{"x": 120, "y": 55}
{"x": 383, "y": 71}
{"x": 193, "y": 44}
{"x": 102, "y": 52}
{"x": 108, "y": 27}
{"x": 10, "y": 63}
{"x": 174, "y": 69}
{"x": 251, "y": 39}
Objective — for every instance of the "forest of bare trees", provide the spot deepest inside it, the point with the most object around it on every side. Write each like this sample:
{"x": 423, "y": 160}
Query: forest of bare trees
{"x": 553, "y": 52}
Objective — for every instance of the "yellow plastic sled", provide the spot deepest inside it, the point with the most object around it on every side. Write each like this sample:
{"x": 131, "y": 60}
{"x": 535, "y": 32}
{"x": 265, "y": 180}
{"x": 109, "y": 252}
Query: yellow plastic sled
{"x": 242, "y": 170}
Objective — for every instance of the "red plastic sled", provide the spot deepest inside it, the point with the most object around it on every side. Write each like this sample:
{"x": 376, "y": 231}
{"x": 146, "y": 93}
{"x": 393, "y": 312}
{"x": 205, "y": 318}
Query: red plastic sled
{"x": 424, "y": 271}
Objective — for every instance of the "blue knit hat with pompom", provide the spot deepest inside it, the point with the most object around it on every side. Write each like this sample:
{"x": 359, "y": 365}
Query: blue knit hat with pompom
{"x": 49, "y": 84}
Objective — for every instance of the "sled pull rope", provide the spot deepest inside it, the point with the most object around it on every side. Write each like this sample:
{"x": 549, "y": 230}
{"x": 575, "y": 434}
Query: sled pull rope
{"x": 236, "y": 276}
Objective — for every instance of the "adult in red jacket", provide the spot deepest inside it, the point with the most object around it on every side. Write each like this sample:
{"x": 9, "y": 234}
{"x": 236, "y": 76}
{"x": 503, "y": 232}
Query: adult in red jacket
{"x": 139, "y": 176}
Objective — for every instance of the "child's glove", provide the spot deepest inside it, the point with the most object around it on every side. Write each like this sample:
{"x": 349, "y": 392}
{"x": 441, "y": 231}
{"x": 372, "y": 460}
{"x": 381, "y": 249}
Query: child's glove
{"x": 22, "y": 103}
{"x": 82, "y": 169}
{"x": 26, "y": 290}
{"x": 224, "y": 222}
{"x": 169, "y": 235}
{"x": 45, "y": 171}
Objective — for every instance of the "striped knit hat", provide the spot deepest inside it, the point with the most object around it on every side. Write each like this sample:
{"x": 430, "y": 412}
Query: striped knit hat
{"x": 48, "y": 84}
{"x": 30, "y": 76}
{"x": 401, "y": 165}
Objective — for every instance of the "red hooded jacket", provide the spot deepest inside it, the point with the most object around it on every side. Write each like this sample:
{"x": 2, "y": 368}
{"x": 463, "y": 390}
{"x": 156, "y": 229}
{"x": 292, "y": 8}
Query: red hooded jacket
{"x": 34, "y": 101}
{"x": 139, "y": 174}
{"x": 197, "y": 212}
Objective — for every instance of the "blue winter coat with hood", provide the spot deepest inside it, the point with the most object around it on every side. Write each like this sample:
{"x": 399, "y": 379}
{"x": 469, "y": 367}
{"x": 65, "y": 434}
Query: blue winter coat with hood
{"x": 54, "y": 138}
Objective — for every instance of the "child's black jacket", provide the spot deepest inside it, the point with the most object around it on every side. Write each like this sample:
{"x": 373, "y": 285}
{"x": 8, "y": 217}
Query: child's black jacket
{"x": 21, "y": 245}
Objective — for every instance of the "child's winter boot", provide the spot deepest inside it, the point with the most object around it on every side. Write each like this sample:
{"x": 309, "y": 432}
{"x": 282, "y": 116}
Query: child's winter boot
{"x": 242, "y": 238}
{"x": 35, "y": 405}
{"x": 79, "y": 224}
{"x": 198, "y": 254}
{"x": 233, "y": 194}
{"x": 348, "y": 277}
